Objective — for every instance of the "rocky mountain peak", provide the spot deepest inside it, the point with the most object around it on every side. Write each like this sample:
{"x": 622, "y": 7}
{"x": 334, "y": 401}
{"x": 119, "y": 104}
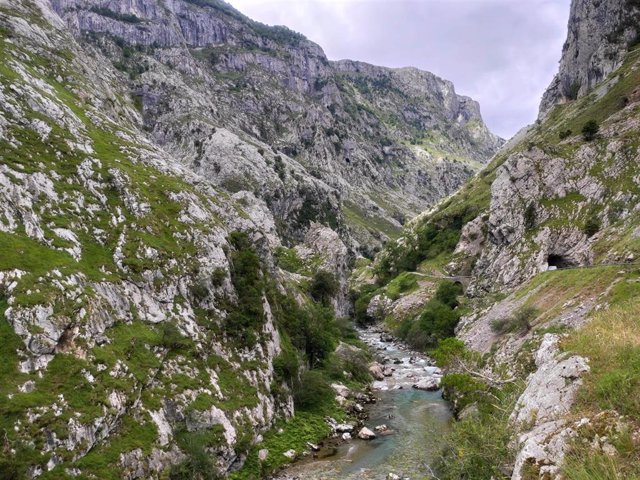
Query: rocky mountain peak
{"x": 600, "y": 33}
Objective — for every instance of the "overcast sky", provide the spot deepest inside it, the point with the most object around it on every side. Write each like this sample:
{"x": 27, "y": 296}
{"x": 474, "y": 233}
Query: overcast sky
{"x": 502, "y": 53}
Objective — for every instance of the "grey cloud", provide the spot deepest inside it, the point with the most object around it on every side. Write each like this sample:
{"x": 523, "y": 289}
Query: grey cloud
{"x": 503, "y": 53}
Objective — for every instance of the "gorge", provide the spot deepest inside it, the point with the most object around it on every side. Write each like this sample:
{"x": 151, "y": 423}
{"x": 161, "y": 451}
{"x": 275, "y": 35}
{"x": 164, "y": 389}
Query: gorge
{"x": 213, "y": 240}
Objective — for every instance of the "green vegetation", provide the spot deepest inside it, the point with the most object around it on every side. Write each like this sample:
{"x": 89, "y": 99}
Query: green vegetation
{"x": 564, "y": 134}
{"x": 324, "y": 287}
{"x": 288, "y": 259}
{"x": 122, "y": 17}
{"x": 590, "y": 130}
{"x": 520, "y": 323}
{"x": 243, "y": 319}
{"x": 479, "y": 446}
{"x": 403, "y": 283}
{"x": 437, "y": 321}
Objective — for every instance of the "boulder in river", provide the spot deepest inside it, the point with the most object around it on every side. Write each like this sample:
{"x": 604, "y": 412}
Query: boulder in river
{"x": 429, "y": 384}
{"x": 366, "y": 434}
{"x": 376, "y": 371}
{"x": 386, "y": 337}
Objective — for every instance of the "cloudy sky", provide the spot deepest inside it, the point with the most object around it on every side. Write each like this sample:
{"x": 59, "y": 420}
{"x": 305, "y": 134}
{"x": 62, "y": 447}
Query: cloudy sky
{"x": 502, "y": 53}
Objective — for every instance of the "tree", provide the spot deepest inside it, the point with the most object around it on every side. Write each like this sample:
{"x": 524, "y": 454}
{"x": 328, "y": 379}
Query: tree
{"x": 530, "y": 216}
{"x": 323, "y": 287}
{"x": 590, "y": 130}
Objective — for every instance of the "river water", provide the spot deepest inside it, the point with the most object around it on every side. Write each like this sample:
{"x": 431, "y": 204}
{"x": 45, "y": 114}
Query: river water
{"x": 416, "y": 422}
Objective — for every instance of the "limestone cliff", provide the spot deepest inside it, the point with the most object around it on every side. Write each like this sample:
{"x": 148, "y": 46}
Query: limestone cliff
{"x": 600, "y": 34}
{"x": 260, "y": 108}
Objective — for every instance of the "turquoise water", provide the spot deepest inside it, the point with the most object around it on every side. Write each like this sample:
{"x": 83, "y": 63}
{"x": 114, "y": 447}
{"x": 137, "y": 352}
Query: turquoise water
{"x": 417, "y": 421}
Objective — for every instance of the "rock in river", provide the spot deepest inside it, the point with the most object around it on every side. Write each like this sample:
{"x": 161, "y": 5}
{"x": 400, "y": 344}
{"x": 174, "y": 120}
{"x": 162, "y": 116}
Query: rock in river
{"x": 430, "y": 384}
{"x": 366, "y": 434}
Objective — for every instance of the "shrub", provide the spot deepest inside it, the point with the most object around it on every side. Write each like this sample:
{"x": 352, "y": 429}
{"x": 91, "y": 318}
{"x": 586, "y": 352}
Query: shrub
{"x": 590, "y": 130}
{"x": 288, "y": 259}
{"x": 246, "y": 276}
{"x": 519, "y": 323}
{"x": 218, "y": 276}
{"x": 361, "y": 304}
{"x": 448, "y": 293}
{"x": 564, "y": 134}
{"x": 592, "y": 226}
{"x": 172, "y": 339}
{"x": 286, "y": 365}
{"x": 404, "y": 282}
{"x": 324, "y": 287}
{"x": 439, "y": 320}
{"x": 530, "y": 216}
{"x": 319, "y": 334}
{"x": 312, "y": 391}
{"x": 448, "y": 349}
{"x": 477, "y": 449}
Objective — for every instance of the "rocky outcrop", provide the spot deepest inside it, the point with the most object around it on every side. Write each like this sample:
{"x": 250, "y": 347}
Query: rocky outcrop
{"x": 600, "y": 34}
{"x": 260, "y": 108}
{"x": 541, "y": 205}
{"x": 542, "y": 409}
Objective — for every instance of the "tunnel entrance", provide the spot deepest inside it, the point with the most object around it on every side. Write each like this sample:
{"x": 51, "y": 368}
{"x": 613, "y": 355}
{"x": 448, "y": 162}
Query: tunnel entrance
{"x": 559, "y": 261}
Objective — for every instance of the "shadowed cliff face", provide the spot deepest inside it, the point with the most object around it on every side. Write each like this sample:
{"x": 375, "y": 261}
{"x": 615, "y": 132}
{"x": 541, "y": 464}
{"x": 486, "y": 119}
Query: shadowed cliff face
{"x": 357, "y": 147}
{"x": 600, "y": 34}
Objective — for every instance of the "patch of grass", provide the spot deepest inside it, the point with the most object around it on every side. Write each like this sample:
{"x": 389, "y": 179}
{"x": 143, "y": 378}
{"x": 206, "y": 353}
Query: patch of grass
{"x": 480, "y": 447}
{"x": 611, "y": 341}
{"x": 288, "y": 260}
{"x": 404, "y": 283}
{"x": 296, "y": 432}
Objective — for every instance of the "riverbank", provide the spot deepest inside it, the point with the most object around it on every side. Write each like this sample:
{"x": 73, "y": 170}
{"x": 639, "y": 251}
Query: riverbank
{"x": 408, "y": 423}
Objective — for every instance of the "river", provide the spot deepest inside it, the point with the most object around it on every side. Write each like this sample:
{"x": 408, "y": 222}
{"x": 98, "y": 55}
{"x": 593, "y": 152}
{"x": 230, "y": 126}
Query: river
{"x": 416, "y": 421}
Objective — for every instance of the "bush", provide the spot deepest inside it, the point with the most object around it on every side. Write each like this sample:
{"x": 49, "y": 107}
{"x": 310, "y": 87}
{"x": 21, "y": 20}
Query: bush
{"x": 198, "y": 464}
{"x": 246, "y": 275}
{"x": 592, "y": 226}
{"x": 590, "y": 130}
{"x": 324, "y": 287}
{"x": 319, "y": 333}
{"x": 530, "y": 216}
{"x": 448, "y": 293}
{"x": 439, "y": 320}
{"x": 172, "y": 339}
{"x": 404, "y": 282}
{"x": 564, "y": 134}
{"x": 519, "y": 323}
{"x": 361, "y": 304}
{"x": 448, "y": 350}
{"x": 312, "y": 391}
{"x": 477, "y": 449}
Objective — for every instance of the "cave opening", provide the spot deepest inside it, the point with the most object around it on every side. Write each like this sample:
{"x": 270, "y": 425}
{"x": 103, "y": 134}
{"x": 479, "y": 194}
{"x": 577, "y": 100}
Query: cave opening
{"x": 559, "y": 261}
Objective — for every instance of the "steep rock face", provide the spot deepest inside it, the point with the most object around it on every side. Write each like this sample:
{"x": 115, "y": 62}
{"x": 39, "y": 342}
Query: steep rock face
{"x": 119, "y": 279}
{"x": 600, "y": 33}
{"x": 262, "y": 109}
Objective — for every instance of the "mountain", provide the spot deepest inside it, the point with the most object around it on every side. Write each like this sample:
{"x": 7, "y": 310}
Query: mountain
{"x": 541, "y": 353}
{"x": 250, "y": 107}
{"x": 183, "y": 190}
